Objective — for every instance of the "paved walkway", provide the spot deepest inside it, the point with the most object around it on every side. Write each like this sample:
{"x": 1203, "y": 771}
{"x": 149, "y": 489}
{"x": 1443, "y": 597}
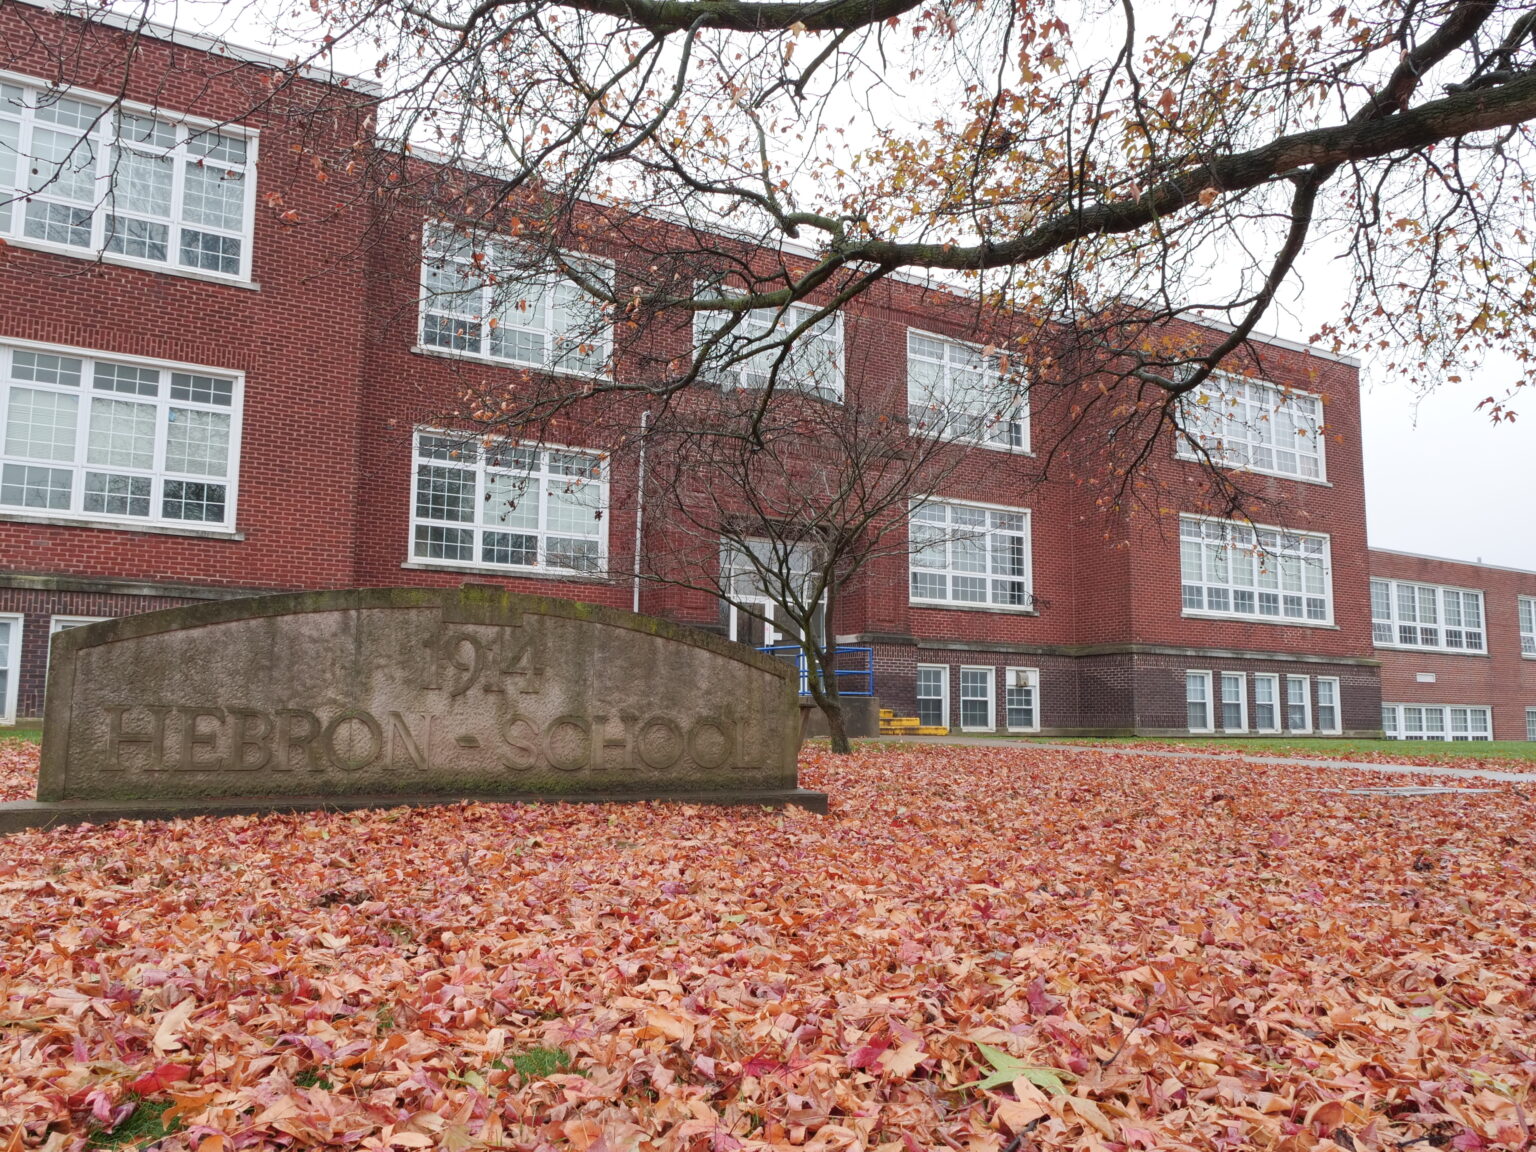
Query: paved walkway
{"x": 1126, "y": 750}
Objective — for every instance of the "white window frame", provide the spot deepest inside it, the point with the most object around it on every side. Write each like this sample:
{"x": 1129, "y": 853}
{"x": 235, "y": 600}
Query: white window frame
{"x": 1275, "y": 702}
{"x": 991, "y": 674}
{"x": 943, "y": 697}
{"x": 13, "y": 667}
{"x": 1338, "y": 706}
{"x": 488, "y": 297}
{"x": 1238, "y": 421}
{"x": 1258, "y": 561}
{"x": 1530, "y": 723}
{"x": 479, "y": 525}
{"x": 1032, "y": 676}
{"x": 1525, "y": 606}
{"x": 758, "y": 324}
{"x": 57, "y": 624}
{"x": 157, "y": 474}
{"x": 1242, "y": 700}
{"x": 957, "y": 417}
{"x": 1202, "y": 676}
{"x": 1435, "y": 722}
{"x": 1306, "y": 703}
{"x": 1466, "y": 716}
{"x": 1396, "y": 623}
{"x": 949, "y": 537}
{"x": 102, "y": 135}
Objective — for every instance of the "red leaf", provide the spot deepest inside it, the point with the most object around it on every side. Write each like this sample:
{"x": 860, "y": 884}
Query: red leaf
{"x": 160, "y": 1079}
{"x": 869, "y": 1055}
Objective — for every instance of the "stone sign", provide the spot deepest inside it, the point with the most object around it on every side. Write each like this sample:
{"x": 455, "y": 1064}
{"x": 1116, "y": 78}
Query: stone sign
{"x": 382, "y": 696}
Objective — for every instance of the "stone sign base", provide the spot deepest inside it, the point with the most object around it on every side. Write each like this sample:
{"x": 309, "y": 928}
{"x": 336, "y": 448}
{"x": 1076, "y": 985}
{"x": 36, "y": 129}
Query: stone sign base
{"x": 368, "y": 698}
{"x": 21, "y": 815}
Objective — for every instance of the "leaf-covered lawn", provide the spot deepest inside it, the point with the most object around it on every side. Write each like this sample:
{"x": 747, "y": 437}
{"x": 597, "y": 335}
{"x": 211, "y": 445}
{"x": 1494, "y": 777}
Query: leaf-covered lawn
{"x": 982, "y": 948}
{"x": 1502, "y": 755}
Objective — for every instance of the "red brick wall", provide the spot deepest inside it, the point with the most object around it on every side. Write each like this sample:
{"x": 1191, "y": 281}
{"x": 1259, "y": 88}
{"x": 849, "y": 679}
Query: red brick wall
{"x": 1502, "y": 679}
{"x": 1336, "y": 508}
{"x": 297, "y": 337}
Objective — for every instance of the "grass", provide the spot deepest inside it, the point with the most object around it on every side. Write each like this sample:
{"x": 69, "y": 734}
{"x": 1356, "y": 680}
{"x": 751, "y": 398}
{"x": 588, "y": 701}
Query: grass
{"x": 540, "y": 1063}
{"x": 141, "y": 1127}
{"x": 1333, "y": 746}
{"x": 28, "y": 735}
{"x": 312, "y": 1078}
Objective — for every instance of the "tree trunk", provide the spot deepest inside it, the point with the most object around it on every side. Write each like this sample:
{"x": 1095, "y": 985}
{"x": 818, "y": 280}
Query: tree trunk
{"x": 822, "y": 682}
{"x": 832, "y": 709}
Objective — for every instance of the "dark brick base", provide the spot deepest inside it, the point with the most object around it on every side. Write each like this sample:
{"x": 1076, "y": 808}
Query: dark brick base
{"x": 1121, "y": 693}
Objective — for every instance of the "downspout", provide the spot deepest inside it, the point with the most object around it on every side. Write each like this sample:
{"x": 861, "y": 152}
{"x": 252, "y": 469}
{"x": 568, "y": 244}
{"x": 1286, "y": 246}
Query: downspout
{"x": 645, "y": 420}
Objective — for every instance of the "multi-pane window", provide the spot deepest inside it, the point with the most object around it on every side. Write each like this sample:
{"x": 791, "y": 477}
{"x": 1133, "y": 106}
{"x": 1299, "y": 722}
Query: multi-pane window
{"x": 1249, "y": 424}
{"x": 1527, "y": 625}
{"x": 804, "y": 351}
{"x": 1266, "y": 702}
{"x": 1530, "y": 723}
{"x": 933, "y": 695}
{"x": 504, "y": 505}
{"x": 10, "y": 665}
{"x": 89, "y": 437}
{"x": 1328, "y": 704}
{"x": 956, "y": 390}
{"x": 494, "y": 300}
{"x": 81, "y": 172}
{"x": 1405, "y": 615}
{"x": 1436, "y": 722}
{"x": 1234, "y": 702}
{"x": 1232, "y": 569}
{"x": 976, "y": 699}
{"x": 1197, "y": 701}
{"x": 969, "y": 554}
{"x": 1298, "y": 704}
{"x": 1021, "y": 688}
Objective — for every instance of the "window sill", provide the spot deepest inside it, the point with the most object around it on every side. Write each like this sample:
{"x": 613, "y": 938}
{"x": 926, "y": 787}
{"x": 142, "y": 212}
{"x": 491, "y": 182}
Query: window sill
{"x": 1286, "y": 623}
{"x": 507, "y": 573}
{"x": 1431, "y": 651}
{"x": 970, "y": 442}
{"x": 119, "y": 261}
{"x": 1189, "y": 458}
{"x": 946, "y": 605}
{"x": 509, "y": 365}
{"x": 117, "y": 526}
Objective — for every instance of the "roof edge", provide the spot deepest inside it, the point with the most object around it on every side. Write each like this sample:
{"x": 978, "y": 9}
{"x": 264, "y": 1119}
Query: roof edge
{"x": 1282, "y": 342}
{"x": 212, "y": 45}
{"x": 1453, "y": 560}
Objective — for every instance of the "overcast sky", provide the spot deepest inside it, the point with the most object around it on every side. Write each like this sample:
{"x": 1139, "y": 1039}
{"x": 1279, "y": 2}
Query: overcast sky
{"x": 1441, "y": 478}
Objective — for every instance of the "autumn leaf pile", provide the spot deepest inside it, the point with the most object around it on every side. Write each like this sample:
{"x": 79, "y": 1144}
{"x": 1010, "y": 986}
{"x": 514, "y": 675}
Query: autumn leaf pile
{"x": 981, "y": 948}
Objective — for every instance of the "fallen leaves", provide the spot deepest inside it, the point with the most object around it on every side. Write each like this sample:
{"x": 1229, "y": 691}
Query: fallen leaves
{"x": 1006, "y": 1069}
{"x": 979, "y": 948}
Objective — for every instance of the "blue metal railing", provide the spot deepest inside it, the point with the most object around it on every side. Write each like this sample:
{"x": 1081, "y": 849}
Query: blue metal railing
{"x": 853, "y": 667}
